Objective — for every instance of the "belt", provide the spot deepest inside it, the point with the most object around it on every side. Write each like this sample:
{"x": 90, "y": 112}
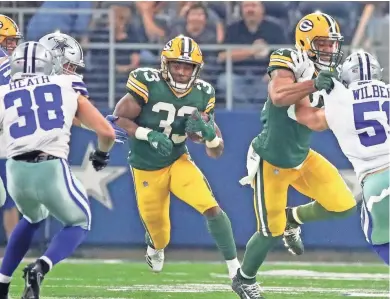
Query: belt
{"x": 34, "y": 157}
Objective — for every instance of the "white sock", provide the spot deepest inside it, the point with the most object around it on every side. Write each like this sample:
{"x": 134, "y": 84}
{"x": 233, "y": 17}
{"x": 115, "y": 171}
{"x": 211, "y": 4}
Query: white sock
{"x": 246, "y": 276}
{"x": 151, "y": 251}
{"x": 5, "y": 279}
{"x": 295, "y": 215}
{"x": 233, "y": 264}
{"x": 47, "y": 261}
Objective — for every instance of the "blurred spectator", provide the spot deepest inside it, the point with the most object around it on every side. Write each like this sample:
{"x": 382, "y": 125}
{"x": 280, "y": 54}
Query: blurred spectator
{"x": 126, "y": 60}
{"x": 212, "y": 17}
{"x": 196, "y": 25}
{"x": 75, "y": 25}
{"x": 249, "y": 65}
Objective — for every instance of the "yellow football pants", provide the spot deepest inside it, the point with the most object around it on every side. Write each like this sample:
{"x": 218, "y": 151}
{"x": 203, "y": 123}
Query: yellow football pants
{"x": 152, "y": 189}
{"x": 317, "y": 178}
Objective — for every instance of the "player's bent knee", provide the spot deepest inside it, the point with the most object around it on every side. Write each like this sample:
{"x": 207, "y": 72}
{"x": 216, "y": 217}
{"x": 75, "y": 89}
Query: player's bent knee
{"x": 212, "y": 212}
{"x": 345, "y": 213}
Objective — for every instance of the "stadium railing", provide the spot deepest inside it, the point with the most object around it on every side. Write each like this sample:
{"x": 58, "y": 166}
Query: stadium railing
{"x": 107, "y": 84}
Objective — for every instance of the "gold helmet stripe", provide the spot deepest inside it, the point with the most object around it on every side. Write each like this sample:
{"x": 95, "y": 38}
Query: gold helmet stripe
{"x": 331, "y": 22}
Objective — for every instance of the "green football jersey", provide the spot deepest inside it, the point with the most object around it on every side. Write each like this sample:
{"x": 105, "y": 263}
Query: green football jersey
{"x": 165, "y": 112}
{"x": 283, "y": 142}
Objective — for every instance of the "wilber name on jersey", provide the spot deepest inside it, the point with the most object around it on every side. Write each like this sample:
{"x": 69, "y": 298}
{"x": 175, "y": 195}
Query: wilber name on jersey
{"x": 164, "y": 111}
{"x": 369, "y": 91}
{"x": 37, "y": 113}
{"x": 359, "y": 118}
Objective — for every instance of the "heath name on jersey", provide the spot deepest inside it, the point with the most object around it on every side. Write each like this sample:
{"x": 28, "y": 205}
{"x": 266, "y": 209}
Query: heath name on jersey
{"x": 164, "y": 111}
{"x": 37, "y": 113}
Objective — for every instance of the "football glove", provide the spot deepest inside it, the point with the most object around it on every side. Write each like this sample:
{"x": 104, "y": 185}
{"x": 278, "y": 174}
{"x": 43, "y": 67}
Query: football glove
{"x": 324, "y": 81}
{"x": 160, "y": 142}
{"x": 120, "y": 134}
{"x": 99, "y": 159}
{"x": 194, "y": 125}
{"x": 301, "y": 65}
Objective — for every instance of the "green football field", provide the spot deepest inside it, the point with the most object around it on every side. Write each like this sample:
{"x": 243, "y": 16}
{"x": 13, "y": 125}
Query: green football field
{"x": 117, "y": 279}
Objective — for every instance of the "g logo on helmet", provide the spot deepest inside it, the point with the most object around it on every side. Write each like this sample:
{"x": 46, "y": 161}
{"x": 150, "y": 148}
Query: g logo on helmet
{"x": 1, "y": 25}
{"x": 306, "y": 25}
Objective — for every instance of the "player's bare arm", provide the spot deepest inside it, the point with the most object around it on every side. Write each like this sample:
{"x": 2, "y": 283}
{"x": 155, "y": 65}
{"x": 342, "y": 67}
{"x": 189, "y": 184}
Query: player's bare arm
{"x": 92, "y": 118}
{"x": 311, "y": 117}
{"x": 283, "y": 89}
{"x": 216, "y": 152}
{"x": 127, "y": 109}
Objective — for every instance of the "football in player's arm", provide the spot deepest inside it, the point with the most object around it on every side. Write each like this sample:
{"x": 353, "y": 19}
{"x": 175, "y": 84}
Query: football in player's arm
{"x": 162, "y": 108}
{"x": 130, "y": 106}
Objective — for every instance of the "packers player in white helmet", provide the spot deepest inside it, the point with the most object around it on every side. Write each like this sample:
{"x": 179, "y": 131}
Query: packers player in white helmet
{"x": 280, "y": 156}
{"x": 161, "y": 106}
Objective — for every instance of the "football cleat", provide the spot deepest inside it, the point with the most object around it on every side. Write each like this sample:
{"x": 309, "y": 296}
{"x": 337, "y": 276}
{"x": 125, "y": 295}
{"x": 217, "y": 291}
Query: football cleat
{"x": 292, "y": 239}
{"x": 155, "y": 259}
{"x": 33, "y": 277}
{"x": 246, "y": 289}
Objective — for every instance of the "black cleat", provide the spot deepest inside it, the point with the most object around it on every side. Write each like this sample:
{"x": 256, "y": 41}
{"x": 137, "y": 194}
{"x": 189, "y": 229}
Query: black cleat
{"x": 33, "y": 277}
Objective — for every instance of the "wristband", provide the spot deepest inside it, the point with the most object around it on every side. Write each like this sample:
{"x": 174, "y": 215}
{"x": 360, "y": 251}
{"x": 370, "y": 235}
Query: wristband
{"x": 142, "y": 133}
{"x": 213, "y": 143}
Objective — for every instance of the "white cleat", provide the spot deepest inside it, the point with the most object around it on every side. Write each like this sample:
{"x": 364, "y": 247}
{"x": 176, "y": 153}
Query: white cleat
{"x": 155, "y": 259}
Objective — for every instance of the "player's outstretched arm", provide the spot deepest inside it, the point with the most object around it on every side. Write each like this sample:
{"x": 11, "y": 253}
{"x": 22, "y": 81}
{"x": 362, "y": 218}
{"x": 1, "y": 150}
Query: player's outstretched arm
{"x": 92, "y": 118}
{"x": 284, "y": 91}
{"x": 127, "y": 109}
{"x": 311, "y": 117}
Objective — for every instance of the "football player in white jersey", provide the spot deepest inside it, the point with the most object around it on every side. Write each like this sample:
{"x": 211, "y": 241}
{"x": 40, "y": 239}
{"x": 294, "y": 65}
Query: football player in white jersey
{"x": 10, "y": 36}
{"x": 357, "y": 111}
{"x": 36, "y": 113}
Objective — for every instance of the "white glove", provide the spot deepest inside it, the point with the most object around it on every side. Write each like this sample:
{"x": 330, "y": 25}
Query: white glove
{"x": 302, "y": 66}
{"x": 252, "y": 166}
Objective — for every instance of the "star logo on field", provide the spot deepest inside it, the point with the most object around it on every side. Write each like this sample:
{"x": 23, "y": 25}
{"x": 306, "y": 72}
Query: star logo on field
{"x": 96, "y": 182}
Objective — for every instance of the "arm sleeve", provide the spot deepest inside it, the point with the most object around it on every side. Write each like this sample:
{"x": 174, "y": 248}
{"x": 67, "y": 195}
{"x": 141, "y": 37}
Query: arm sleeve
{"x": 79, "y": 86}
{"x": 137, "y": 86}
{"x": 279, "y": 59}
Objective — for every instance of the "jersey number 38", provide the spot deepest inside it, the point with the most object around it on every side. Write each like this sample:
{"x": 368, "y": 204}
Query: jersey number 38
{"x": 48, "y": 115}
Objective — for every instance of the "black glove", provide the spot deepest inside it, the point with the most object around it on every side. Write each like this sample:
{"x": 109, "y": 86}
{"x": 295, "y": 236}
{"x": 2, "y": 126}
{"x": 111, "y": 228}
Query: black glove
{"x": 99, "y": 159}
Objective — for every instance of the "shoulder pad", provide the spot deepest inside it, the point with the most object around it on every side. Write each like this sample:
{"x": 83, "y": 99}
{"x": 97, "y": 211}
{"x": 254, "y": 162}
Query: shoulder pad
{"x": 139, "y": 80}
{"x": 209, "y": 94}
{"x": 281, "y": 58}
{"x": 76, "y": 83}
{"x": 205, "y": 87}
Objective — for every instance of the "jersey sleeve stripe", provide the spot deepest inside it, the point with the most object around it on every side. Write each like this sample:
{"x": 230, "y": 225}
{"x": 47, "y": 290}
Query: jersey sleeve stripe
{"x": 81, "y": 88}
{"x": 210, "y": 105}
{"x": 283, "y": 64}
{"x": 281, "y": 58}
{"x": 139, "y": 84}
{"x": 130, "y": 85}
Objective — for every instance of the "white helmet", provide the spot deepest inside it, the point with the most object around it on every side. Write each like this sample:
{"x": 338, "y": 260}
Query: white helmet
{"x": 360, "y": 66}
{"x": 30, "y": 59}
{"x": 66, "y": 51}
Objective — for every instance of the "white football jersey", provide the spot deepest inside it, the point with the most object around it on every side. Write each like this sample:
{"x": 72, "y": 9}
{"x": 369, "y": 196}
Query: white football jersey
{"x": 359, "y": 118}
{"x": 37, "y": 113}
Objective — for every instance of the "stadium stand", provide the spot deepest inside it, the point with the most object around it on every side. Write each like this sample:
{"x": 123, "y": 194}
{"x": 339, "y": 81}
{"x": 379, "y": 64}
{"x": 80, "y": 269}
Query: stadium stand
{"x": 151, "y": 23}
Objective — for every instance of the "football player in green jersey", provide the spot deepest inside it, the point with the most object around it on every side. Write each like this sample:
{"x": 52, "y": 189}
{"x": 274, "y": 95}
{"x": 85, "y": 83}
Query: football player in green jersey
{"x": 156, "y": 113}
{"x": 280, "y": 156}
